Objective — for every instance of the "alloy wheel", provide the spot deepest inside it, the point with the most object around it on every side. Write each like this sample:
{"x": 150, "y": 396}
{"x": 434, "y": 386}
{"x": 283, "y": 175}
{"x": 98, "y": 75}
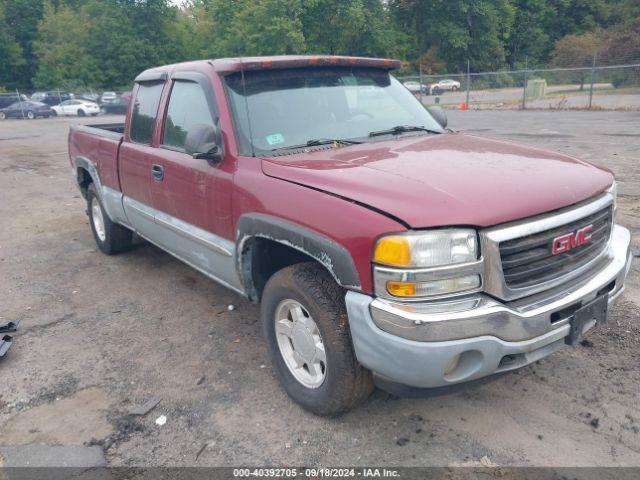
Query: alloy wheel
{"x": 300, "y": 343}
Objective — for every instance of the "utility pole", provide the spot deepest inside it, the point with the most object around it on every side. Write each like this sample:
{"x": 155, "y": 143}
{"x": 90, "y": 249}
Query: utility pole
{"x": 468, "y": 81}
{"x": 593, "y": 79}
{"x": 524, "y": 88}
{"x": 420, "y": 82}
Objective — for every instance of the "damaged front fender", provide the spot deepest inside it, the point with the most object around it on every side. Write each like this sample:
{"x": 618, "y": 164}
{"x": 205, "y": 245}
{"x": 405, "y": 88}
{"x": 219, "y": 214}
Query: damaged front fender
{"x": 333, "y": 256}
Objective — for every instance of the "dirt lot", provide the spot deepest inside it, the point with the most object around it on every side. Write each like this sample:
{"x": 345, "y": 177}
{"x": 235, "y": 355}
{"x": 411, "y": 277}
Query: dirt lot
{"x": 99, "y": 335}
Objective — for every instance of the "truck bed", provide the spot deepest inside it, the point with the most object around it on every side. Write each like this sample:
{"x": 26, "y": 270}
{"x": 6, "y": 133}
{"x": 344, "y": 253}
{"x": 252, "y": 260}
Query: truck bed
{"x": 99, "y": 144}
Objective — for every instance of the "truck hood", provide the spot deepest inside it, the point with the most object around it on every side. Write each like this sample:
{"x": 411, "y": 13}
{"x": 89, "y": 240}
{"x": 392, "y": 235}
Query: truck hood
{"x": 448, "y": 179}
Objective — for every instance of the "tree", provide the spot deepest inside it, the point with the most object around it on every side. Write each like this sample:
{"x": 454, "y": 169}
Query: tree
{"x": 461, "y": 30}
{"x": 576, "y": 51}
{"x": 529, "y": 37}
{"x": 622, "y": 45}
{"x": 11, "y": 59}
{"x": 357, "y": 27}
{"x": 61, "y": 47}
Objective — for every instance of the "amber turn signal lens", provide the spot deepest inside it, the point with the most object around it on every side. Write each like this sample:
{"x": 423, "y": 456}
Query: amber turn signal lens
{"x": 401, "y": 289}
{"x": 393, "y": 251}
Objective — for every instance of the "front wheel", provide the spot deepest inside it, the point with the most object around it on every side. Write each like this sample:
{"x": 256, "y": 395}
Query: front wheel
{"x": 81, "y": 113}
{"x": 31, "y": 115}
{"x": 3, "y": 115}
{"x": 109, "y": 236}
{"x": 307, "y": 331}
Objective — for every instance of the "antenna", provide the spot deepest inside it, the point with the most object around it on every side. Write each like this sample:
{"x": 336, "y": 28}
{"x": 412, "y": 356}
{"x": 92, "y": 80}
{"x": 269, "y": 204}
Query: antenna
{"x": 246, "y": 106}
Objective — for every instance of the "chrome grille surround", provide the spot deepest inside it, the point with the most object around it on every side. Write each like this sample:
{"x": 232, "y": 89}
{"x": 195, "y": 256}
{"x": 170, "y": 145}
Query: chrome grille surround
{"x": 491, "y": 238}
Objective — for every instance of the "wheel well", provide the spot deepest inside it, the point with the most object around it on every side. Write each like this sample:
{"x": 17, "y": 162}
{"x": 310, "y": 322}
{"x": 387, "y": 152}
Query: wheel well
{"x": 84, "y": 180}
{"x": 262, "y": 257}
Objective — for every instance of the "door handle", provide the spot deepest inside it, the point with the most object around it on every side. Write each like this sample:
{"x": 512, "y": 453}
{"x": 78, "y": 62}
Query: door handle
{"x": 158, "y": 172}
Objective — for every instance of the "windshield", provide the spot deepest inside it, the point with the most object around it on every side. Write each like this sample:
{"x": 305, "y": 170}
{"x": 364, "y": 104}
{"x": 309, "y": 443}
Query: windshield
{"x": 291, "y": 107}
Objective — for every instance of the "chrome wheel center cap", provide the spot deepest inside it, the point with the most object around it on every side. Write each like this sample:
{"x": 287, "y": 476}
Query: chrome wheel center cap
{"x": 303, "y": 342}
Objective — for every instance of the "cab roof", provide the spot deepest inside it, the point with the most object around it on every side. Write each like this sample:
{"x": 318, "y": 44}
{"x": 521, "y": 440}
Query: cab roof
{"x": 230, "y": 65}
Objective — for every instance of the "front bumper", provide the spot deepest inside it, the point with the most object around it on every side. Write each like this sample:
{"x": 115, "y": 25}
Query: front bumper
{"x": 443, "y": 343}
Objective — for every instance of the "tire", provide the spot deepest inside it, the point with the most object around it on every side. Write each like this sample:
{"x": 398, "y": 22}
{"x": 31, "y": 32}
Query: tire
{"x": 110, "y": 237}
{"x": 81, "y": 113}
{"x": 454, "y": 89}
{"x": 54, "y": 113}
{"x": 31, "y": 115}
{"x": 346, "y": 383}
{"x": 3, "y": 116}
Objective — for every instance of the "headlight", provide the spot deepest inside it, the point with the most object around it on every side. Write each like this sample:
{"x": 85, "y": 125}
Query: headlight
{"x": 427, "y": 264}
{"x": 427, "y": 249}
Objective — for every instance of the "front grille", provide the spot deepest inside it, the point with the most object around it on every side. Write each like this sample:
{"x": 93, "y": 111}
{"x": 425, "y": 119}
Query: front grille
{"x": 529, "y": 260}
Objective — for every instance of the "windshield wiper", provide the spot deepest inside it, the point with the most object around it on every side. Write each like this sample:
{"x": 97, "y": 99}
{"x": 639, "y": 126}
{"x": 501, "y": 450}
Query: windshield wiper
{"x": 319, "y": 141}
{"x": 398, "y": 129}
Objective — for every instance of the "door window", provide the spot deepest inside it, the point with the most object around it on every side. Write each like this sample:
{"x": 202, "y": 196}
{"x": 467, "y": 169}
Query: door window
{"x": 187, "y": 107}
{"x": 145, "y": 109}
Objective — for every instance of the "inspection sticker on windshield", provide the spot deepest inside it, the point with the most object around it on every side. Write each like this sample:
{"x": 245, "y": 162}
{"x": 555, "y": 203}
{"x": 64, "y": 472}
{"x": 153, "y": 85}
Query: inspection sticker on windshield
{"x": 274, "y": 138}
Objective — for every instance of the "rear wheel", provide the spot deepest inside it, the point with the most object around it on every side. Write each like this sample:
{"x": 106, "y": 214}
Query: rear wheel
{"x": 305, "y": 324}
{"x": 3, "y": 115}
{"x": 31, "y": 115}
{"x": 54, "y": 113}
{"x": 81, "y": 113}
{"x": 110, "y": 237}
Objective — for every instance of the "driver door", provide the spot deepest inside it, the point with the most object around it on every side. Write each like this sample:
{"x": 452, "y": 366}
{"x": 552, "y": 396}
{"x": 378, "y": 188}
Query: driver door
{"x": 192, "y": 197}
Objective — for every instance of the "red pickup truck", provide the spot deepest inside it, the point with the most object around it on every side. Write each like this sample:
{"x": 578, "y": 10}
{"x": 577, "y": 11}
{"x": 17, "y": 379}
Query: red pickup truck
{"x": 383, "y": 247}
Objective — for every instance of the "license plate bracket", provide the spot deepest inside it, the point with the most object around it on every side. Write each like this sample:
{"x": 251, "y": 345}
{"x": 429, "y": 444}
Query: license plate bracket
{"x": 594, "y": 312}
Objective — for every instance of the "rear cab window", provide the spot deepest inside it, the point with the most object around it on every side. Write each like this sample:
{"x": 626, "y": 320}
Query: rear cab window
{"x": 145, "y": 109}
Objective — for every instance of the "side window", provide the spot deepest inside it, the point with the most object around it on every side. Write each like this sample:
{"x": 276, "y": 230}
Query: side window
{"x": 144, "y": 113}
{"x": 187, "y": 107}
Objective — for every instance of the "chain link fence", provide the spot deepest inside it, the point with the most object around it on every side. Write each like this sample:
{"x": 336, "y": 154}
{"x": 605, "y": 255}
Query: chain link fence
{"x": 612, "y": 87}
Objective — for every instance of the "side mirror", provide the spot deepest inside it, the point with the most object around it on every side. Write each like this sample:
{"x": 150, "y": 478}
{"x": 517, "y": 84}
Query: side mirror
{"x": 204, "y": 141}
{"x": 439, "y": 115}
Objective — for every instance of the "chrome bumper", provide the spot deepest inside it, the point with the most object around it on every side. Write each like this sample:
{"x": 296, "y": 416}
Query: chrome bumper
{"x": 433, "y": 344}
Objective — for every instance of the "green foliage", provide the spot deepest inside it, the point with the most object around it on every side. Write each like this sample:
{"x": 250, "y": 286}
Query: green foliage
{"x": 61, "y": 47}
{"x": 106, "y": 43}
{"x": 22, "y": 17}
{"x": 11, "y": 56}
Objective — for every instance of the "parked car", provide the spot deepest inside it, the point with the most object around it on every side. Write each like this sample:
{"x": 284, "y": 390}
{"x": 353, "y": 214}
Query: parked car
{"x": 118, "y": 106}
{"x": 7, "y": 99}
{"x": 415, "y": 87}
{"x": 446, "y": 85}
{"x": 26, "y": 109}
{"x": 92, "y": 97}
{"x": 356, "y": 225}
{"x": 82, "y": 108}
{"x": 108, "y": 97}
{"x": 37, "y": 96}
{"x": 55, "y": 98}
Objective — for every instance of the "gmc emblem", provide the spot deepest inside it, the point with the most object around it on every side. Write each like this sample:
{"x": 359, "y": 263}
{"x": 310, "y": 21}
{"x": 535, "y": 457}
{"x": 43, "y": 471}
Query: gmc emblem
{"x": 566, "y": 242}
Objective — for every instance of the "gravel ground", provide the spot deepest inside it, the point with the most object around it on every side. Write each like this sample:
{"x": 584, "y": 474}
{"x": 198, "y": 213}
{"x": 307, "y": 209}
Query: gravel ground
{"x": 100, "y": 335}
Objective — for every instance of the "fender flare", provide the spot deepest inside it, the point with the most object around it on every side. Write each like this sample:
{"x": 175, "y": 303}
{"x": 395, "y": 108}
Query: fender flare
{"x": 86, "y": 164}
{"x": 333, "y": 256}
